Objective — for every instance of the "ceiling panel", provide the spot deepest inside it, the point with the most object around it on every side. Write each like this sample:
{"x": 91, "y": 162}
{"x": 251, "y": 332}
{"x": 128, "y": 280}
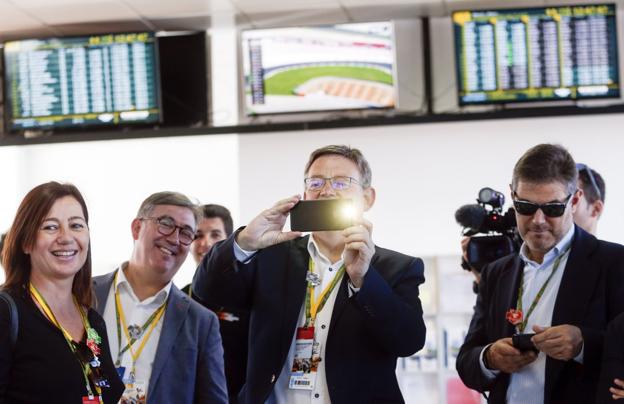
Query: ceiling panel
{"x": 170, "y": 8}
{"x": 255, "y": 6}
{"x": 12, "y": 18}
{"x": 284, "y": 19}
{"x": 84, "y": 12}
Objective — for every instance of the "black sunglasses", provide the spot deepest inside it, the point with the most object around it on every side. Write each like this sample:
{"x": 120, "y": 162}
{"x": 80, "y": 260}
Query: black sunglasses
{"x": 550, "y": 209}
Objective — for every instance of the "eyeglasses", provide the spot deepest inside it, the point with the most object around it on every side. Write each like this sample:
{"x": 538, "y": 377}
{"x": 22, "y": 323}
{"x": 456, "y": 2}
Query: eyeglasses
{"x": 550, "y": 209}
{"x": 584, "y": 167}
{"x": 337, "y": 183}
{"x": 167, "y": 226}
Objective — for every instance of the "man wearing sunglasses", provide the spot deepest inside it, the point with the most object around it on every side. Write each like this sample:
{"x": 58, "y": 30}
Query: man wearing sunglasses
{"x": 564, "y": 286}
{"x": 330, "y": 312}
{"x": 164, "y": 344}
{"x": 591, "y": 203}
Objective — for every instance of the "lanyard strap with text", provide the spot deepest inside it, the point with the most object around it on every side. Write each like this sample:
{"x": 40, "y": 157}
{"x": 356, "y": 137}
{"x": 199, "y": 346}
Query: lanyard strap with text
{"x": 537, "y": 298}
{"x": 121, "y": 323}
{"x": 312, "y": 307}
{"x": 68, "y": 338}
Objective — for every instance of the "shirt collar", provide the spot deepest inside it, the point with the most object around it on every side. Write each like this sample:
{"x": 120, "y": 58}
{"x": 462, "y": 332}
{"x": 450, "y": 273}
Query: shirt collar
{"x": 316, "y": 253}
{"x": 551, "y": 255}
{"x": 123, "y": 284}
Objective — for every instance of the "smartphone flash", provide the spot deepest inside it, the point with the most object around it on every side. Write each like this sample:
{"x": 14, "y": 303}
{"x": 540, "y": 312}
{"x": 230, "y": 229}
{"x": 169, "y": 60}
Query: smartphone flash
{"x": 348, "y": 212}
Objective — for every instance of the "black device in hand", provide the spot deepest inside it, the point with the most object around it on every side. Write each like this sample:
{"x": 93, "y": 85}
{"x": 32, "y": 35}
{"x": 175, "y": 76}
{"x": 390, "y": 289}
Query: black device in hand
{"x": 322, "y": 214}
{"x": 523, "y": 342}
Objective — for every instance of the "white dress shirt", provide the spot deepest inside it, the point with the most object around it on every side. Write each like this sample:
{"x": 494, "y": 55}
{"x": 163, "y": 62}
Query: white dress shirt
{"x": 136, "y": 313}
{"x": 526, "y": 386}
{"x": 281, "y": 394}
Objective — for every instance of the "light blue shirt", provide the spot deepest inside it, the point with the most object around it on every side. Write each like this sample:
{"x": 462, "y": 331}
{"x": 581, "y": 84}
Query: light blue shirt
{"x": 526, "y": 386}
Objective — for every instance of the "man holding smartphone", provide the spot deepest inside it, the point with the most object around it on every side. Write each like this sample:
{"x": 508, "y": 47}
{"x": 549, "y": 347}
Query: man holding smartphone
{"x": 330, "y": 312}
{"x": 564, "y": 286}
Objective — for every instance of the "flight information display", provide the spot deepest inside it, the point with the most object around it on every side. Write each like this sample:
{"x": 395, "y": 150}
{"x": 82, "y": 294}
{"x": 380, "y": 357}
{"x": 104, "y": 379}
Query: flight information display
{"x": 536, "y": 54}
{"x": 82, "y": 81}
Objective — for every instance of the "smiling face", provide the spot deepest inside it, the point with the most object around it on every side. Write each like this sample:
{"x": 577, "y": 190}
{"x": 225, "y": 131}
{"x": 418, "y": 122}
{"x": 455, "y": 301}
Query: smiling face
{"x": 209, "y": 231}
{"x": 161, "y": 256}
{"x": 62, "y": 242}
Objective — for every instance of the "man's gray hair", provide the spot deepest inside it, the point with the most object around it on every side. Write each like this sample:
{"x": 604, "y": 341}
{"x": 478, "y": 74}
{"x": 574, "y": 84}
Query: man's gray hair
{"x": 168, "y": 198}
{"x": 350, "y": 153}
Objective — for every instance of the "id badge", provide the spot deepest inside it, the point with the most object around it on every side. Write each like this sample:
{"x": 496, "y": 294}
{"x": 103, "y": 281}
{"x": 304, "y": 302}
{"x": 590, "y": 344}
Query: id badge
{"x": 303, "y": 371}
{"x": 91, "y": 400}
{"x": 134, "y": 394}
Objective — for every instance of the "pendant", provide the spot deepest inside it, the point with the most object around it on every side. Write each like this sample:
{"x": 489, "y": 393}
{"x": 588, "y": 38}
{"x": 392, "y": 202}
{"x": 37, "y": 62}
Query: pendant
{"x": 134, "y": 331}
{"x": 313, "y": 278}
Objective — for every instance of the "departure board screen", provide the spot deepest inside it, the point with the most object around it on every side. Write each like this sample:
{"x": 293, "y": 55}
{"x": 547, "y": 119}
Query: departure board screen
{"x": 82, "y": 81}
{"x": 536, "y": 54}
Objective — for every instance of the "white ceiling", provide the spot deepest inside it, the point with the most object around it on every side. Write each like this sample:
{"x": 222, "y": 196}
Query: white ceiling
{"x": 40, "y": 18}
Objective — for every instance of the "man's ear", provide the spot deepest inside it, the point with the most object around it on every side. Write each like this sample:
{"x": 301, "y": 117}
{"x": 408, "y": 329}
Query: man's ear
{"x": 369, "y": 198}
{"x": 136, "y": 228}
{"x": 596, "y": 208}
{"x": 576, "y": 198}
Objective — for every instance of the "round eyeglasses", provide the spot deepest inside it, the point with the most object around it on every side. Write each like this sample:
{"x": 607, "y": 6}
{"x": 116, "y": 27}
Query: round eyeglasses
{"x": 167, "y": 226}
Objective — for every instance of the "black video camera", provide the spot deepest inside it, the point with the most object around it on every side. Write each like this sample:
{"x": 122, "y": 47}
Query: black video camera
{"x": 500, "y": 236}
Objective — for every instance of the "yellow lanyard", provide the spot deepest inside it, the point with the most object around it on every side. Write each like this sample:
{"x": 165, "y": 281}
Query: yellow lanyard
{"x": 155, "y": 317}
{"x": 313, "y": 307}
{"x": 86, "y": 370}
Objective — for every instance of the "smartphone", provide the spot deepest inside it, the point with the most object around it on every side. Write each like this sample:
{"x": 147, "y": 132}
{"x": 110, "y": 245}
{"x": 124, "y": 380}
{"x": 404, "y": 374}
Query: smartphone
{"x": 523, "y": 342}
{"x": 322, "y": 215}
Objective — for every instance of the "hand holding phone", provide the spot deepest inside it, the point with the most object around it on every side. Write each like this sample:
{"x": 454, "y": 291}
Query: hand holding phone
{"x": 523, "y": 342}
{"x": 322, "y": 215}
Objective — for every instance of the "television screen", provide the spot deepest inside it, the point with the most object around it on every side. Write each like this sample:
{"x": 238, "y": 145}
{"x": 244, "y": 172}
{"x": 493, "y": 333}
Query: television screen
{"x": 335, "y": 67}
{"x": 536, "y": 54}
{"x": 81, "y": 81}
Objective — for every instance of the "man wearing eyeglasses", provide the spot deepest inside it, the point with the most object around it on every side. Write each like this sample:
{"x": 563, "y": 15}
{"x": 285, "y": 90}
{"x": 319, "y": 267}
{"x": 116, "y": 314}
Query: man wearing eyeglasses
{"x": 166, "y": 347}
{"x": 330, "y": 312}
{"x": 564, "y": 286}
{"x": 591, "y": 203}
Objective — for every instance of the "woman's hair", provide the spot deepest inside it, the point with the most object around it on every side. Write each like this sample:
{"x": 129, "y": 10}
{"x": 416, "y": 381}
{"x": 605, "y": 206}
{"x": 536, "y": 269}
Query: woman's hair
{"x": 23, "y": 235}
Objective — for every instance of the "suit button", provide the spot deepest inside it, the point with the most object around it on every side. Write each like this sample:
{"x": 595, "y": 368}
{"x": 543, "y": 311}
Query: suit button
{"x": 273, "y": 378}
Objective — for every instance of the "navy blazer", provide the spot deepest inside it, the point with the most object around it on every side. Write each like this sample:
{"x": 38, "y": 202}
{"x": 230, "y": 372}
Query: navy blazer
{"x": 367, "y": 332}
{"x": 590, "y": 295}
{"x": 188, "y": 366}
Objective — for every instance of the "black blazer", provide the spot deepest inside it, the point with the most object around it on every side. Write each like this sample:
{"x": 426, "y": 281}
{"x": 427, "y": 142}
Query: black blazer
{"x": 590, "y": 295}
{"x": 367, "y": 332}
{"x": 612, "y": 359}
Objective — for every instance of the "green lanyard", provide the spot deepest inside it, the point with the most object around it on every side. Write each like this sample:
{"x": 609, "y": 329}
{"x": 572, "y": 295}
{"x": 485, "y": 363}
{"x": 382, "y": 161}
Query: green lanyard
{"x": 537, "y": 298}
{"x": 119, "y": 317}
{"x": 312, "y": 307}
{"x": 86, "y": 370}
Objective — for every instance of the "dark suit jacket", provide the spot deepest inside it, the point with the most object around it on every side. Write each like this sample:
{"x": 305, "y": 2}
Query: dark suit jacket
{"x": 591, "y": 294}
{"x": 367, "y": 331}
{"x": 612, "y": 359}
{"x": 188, "y": 366}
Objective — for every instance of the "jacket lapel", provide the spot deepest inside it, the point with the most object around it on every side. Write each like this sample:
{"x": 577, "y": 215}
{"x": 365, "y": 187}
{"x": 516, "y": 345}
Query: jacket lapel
{"x": 295, "y": 288}
{"x": 102, "y": 285}
{"x": 512, "y": 278}
{"x": 576, "y": 288}
{"x": 175, "y": 313}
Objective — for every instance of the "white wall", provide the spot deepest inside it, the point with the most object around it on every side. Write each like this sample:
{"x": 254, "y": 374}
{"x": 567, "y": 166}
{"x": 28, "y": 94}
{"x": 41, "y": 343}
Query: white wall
{"x": 116, "y": 176}
{"x": 423, "y": 173}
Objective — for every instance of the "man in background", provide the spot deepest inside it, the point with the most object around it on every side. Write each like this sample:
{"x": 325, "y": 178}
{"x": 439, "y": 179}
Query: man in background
{"x": 591, "y": 203}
